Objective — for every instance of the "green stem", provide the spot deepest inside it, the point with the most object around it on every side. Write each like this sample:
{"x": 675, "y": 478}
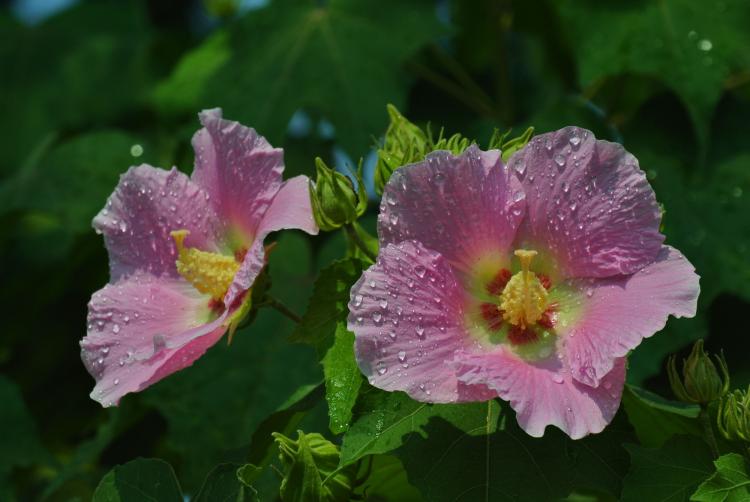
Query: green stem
{"x": 272, "y": 302}
{"x": 708, "y": 430}
{"x": 351, "y": 232}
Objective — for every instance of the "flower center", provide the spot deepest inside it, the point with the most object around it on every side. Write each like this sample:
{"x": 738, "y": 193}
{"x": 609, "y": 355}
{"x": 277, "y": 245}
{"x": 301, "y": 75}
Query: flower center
{"x": 524, "y": 299}
{"x": 209, "y": 273}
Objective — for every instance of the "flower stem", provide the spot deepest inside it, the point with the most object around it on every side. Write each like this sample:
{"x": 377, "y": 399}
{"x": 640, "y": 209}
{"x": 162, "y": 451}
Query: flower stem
{"x": 270, "y": 301}
{"x": 708, "y": 431}
{"x": 351, "y": 232}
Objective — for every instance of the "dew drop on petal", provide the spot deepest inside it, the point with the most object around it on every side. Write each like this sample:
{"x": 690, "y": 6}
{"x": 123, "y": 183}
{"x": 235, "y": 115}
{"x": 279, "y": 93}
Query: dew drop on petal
{"x": 559, "y": 160}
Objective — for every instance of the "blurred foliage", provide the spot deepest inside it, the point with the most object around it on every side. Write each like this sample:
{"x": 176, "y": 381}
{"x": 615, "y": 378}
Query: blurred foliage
{"x": 106, "y": 84}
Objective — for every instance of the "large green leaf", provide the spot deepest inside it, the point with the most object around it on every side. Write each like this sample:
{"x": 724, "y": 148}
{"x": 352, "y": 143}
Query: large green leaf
{"x": 689, "y": 46}
{"x": 80, "y": 68}
{"x": 71, "y": 183}
{"x": 223, "y": 485}
{"x": 140, "y": 480}
{"x": 330, "y": 57}
{"x": 328, "y": 304}
{"x": 18, "y": 435}
{"x": 386, "y": 480}
{"x": 507, "y": 464}
{"x": 343, "y": 379}
{"x": 670, "y": 473}
{"x": 383, "y": 419}
{"x": 656, "y": 419}
{"x": 730, "y": 482}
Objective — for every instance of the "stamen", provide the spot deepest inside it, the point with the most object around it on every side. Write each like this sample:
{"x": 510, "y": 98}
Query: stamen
{"x": 524, "y": 298}
{"x": 209, "y": 273}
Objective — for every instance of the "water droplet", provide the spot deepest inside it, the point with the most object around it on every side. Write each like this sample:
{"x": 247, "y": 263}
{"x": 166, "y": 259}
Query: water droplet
{"x": 116, "y": 329}
{"x": 373, "y": 284}
{"x": 557, "y": 378}
{"x": 377, "y": 317}
{"x": 383, "y": 303}
{"x": 559, "y": 159}
{"x": 575, "y": 140}
{"x": 420, "y": 331}
{"x": 520, "y": 167}
{"x": 392, "y": 334}
{"x": 117, "y": 381}
{"x": 357, "y": 300}
{"x": 420, "y": 270}
{"x": 381, "y": 368}
{"x": 402, "y": 356}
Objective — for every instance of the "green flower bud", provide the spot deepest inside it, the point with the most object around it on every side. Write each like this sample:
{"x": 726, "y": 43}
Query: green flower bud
{"x": 335, "y": 202}
{"x": 510, "y": 146}
{"x": 733, "y": 418}
{"x": 702, "y": 383}
{"x": 309, "y": 461}
{"x": 404, "y": 143}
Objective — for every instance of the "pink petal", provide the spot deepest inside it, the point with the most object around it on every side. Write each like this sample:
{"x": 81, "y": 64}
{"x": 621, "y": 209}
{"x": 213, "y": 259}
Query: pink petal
{"x": 588, "y": 204}
{"x": 143, "y": 328}
{"x": 290, "y": 209}
{"x": 147, "y": 204}
{"x": 238, "y": 168}
{"x": 621, "y": 311}
{"x": 461, "y": 206}
{"x": 406, "y": 312}
{"x": 543, "y": 393}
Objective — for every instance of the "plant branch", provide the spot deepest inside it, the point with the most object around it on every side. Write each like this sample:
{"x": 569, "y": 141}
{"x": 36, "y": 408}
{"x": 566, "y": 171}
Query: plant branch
{"x": 351, "y": 232}
{"x": 708, "y": 431}
{"x": 272, "y": 302}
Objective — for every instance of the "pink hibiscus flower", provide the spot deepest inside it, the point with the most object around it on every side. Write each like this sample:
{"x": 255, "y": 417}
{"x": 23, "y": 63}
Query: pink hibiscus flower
{"x": 184, "y": 253}
{"x": 529, "y": 282}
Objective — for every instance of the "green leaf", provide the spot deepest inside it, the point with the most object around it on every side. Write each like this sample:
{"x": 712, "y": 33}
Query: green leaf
{"x": 331, "y": 58}
{"x": 384, "y": 418}
{"x": 302, "y": 482}
{"x": 691, "y": 48}
{"x": 507, "y": 464}
{"x": 656, "y": 419}
{"x": 343, "y": 379}
{"x": 309, "y": 461}
{"x": 669, "y": 473}
{"x": 183, "y": 89}
{"x": 223, "y": 485}
{"x": 18, "y": 434}
{"x": 730, "y": 482}
{"x": 139, "y": 480}
{"x": 71, "y": 183}
{"x": 80, "y": 68}
{"x": 328, "y": 304}
{"x": 386, "y": 480}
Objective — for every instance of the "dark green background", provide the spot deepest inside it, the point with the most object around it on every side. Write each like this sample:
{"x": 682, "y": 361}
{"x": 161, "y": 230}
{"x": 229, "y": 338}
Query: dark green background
{"x": 668, "y": 79}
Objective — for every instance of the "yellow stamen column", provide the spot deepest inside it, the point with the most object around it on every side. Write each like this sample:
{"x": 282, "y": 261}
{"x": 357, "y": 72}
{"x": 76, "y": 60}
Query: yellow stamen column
{"x": 524, "y": 298}
{"x": 209, "y": 273}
